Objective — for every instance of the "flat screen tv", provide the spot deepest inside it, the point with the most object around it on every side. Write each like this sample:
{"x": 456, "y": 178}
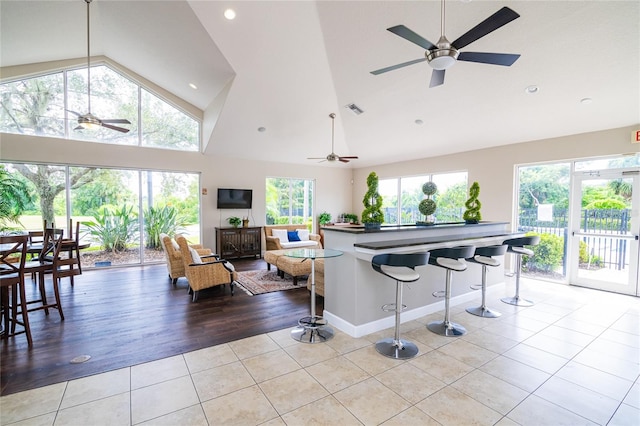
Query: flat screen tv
{"x": 234, "y": 198}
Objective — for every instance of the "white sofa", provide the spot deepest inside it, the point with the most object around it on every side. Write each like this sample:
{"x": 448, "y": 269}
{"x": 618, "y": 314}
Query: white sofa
{"x": 277, "y": 237}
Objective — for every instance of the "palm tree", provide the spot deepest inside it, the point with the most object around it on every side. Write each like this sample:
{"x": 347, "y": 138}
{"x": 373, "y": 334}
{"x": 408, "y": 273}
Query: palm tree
{"x": 14, "y": 199}
{"x": 622, "y": 188}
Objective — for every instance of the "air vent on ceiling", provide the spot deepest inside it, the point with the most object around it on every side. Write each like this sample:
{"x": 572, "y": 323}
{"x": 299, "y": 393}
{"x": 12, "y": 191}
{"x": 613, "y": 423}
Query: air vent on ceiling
{"x": 355, "y": 109}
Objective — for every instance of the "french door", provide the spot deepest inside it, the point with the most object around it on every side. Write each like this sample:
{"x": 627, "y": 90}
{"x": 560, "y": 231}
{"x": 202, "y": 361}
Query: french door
{"x": 604, "y": 241}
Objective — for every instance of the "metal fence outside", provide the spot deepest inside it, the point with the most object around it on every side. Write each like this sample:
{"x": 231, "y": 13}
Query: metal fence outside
{"x": 604, "y": 248}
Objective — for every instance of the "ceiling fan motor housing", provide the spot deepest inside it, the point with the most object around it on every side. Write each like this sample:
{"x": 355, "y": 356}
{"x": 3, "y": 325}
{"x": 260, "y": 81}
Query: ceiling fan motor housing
{"x": 443, "y": 55}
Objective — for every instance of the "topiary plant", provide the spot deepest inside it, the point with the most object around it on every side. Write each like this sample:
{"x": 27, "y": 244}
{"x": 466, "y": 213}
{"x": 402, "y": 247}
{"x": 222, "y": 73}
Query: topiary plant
{"x": 372, "y": 215}
{"x": 473, "y": 205}
{"x": 428, "y": 206}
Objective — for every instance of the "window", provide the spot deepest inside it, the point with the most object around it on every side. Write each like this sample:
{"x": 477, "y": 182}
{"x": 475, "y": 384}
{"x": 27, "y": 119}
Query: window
{"x": 36, "y": 106}
{"x": 401, "y": 197}
{"x": 122, "y": 212}
{"x": 289, "y": 201}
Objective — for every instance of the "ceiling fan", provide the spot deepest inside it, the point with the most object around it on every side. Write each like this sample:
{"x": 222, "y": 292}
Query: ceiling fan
{"x": 444, "y": 54}
{"x": 333, "y": 156}
{"x": 89, "y": 120}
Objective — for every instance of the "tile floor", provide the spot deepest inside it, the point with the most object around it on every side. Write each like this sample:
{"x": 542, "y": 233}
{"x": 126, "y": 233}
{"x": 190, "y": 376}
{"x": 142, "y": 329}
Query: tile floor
{"x": 571, "y": 359}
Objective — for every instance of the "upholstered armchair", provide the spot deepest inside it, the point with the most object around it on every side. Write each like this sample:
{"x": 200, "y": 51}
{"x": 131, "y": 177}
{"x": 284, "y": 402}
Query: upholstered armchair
{"x": 175, "y": 265}
{"x": 204, "y": 274}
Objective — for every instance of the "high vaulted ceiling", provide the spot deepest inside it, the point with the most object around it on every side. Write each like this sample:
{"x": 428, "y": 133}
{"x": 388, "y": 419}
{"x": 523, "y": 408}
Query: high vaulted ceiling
{"x": 286, "y": 65}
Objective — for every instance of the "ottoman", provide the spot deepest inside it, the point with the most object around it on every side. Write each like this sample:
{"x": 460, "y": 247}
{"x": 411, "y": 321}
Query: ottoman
{"x": 287, "y": 265}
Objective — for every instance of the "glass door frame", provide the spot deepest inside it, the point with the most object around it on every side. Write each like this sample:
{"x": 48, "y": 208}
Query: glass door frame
{"x": 576, "y": 234}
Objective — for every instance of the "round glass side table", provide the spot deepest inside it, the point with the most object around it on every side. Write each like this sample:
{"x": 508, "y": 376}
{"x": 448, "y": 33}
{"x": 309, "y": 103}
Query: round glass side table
{"x": 313, "y": 328}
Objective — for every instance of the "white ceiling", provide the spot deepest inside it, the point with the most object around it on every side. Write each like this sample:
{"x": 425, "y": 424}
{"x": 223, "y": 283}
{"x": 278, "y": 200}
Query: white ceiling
{"x": 285, "y": 65}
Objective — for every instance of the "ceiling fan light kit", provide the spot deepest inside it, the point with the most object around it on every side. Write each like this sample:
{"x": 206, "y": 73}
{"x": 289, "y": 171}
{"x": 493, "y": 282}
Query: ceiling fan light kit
{"x": 444, "y": 54}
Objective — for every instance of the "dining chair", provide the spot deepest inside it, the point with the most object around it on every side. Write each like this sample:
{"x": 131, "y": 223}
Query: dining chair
{"x": 13, "y": 254}
{"x": 68, "y": 266}
{"x": 44, "y": 264}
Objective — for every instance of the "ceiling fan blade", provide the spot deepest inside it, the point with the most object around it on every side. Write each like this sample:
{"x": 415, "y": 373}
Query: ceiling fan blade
{"x": 413, "y": 37}
{"x": 119, "y": 129}
{"x": 437, "y": 78}
{"x": 78, "y": 128}
{"x": 352, "y": 157}
{"x": 316, "y": 158}
{"x": 492, "y": 23}
{"x": 76, "y": 113}
{"x": 505, "y": 59}
{"x": 117, "y": 121}
{"x": 395, "y": 67}
{"x": 342, "y": 160}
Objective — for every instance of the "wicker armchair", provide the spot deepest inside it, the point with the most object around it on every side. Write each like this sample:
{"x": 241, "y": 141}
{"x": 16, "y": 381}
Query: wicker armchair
{"x": 207, "y": 274}
{"x": 175, "y": 265}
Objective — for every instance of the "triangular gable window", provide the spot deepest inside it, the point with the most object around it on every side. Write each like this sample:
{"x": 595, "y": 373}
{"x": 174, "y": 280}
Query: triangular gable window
{"x": 42, "y": 106}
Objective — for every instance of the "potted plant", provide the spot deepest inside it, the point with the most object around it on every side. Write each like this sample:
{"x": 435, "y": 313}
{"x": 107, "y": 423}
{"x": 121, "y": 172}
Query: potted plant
{"x": 324, "y": 218}
{"x": 350, "y": 218}
{"x": 472, "y": 214}
{"x": 234, "y": 221}
{"x": 372, "y": 215}
{"x": 428, "y": 206}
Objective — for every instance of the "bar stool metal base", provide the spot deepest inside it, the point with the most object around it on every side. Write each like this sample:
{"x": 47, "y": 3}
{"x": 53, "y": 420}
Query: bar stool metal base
{"x": 312, "y": 330}
{"x": 483, "y": 311}
{"x": 398, "y": 349}
{"x": 517, "y": 300}
{"x": 447, "y": 329}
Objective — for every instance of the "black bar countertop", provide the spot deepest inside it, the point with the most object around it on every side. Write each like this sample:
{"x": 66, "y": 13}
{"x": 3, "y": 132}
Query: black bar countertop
{"x": 470, "y": 232}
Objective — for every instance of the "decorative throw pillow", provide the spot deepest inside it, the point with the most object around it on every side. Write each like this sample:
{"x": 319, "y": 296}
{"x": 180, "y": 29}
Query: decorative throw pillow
{"x": 293, "y": 236}
{"x": 174, "y": 243}
{"x": 303, "y": 234}
{"x": 229, "y": 266}
{"x": 281, "y": 234}
{"x": 195, "y": 257}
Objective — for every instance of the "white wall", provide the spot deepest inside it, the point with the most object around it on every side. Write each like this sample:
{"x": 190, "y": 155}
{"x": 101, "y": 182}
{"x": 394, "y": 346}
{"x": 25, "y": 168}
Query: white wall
{"x": 494, "y": 168}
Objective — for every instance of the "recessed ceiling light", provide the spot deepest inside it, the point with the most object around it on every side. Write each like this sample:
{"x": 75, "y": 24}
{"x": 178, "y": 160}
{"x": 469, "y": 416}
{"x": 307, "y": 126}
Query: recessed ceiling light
{"x": 530, "y": 90}
{"x": 419, "y": 122}
{"x": 193, "y": 86}
{"x": 586, "y": 101}
{"x": 230, "y": 14}
{"x": 262, "y": 129}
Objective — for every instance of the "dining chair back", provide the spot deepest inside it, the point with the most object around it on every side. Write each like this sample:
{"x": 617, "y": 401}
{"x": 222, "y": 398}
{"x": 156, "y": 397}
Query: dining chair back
{"x": 13, "y": 254}
{"x": 44, "y": 264}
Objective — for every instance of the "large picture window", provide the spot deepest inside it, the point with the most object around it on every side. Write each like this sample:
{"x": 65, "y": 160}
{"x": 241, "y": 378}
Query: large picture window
{"x": 289, "y": 201}
{"x": 122, "y": 212}
{"x": 401, "y": 197}
{"x": 42, "y": 105}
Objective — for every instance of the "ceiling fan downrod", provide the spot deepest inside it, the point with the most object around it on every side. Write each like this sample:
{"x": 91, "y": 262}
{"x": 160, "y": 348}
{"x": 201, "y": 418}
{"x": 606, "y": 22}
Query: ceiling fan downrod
{"x": 88, "y": 59}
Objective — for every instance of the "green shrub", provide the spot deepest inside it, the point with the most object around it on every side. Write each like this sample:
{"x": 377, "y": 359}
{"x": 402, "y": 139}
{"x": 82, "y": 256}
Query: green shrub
{"x": 583, "y": 252}
{"x": 547, "y": 255}
{"x": 114, "y": 228}
{"x": 162, "y": 220}
{"x": 608, "y": 204}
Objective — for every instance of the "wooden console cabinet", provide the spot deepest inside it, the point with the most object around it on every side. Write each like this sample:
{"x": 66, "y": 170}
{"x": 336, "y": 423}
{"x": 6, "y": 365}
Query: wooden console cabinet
{"x": 233, "y": 243}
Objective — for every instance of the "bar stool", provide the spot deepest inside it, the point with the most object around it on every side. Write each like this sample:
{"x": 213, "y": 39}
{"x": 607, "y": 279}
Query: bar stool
{"x": 400, "y": 267}
{"x": 451, "y": 259}
{"x": 517, "y": 247}
{"x": 485, "y": 256}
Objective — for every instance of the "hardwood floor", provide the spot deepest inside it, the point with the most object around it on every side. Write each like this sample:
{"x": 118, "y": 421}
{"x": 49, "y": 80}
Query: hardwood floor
{"x": 127, "y": 316}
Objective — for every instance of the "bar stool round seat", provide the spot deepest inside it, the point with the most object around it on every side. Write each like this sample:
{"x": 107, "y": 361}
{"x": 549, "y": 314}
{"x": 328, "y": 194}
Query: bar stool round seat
{"x": 517, "y": 247}
{"x": 451, "y": 259}
{"x": 400, "y": 267}
{"x": 485, "y": 256}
